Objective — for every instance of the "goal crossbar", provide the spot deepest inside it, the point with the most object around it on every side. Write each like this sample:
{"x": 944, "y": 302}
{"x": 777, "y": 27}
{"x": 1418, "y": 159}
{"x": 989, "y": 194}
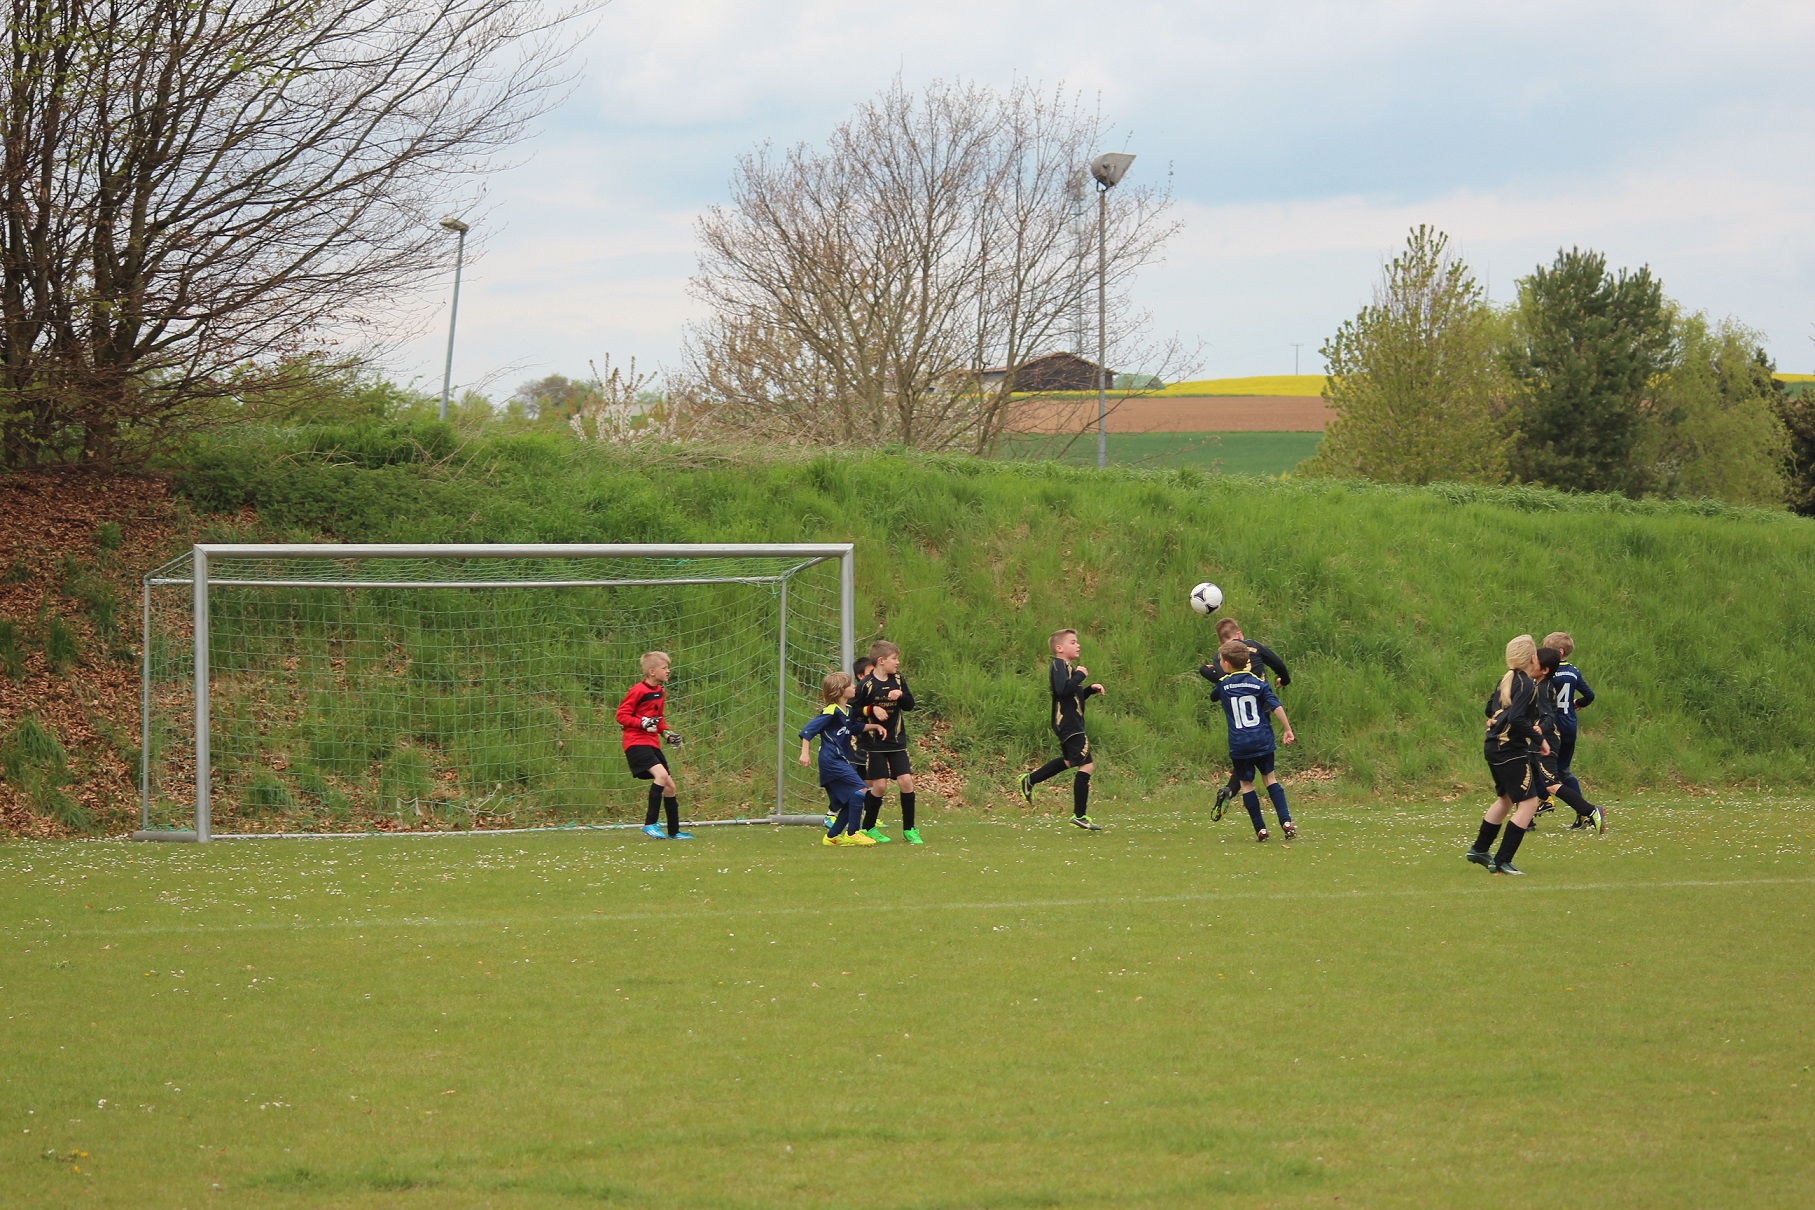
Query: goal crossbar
{"x": 201, "y": 555}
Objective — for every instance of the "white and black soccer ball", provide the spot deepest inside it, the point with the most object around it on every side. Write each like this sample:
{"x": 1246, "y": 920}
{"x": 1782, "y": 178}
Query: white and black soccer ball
{"x": 1206, "y": 598}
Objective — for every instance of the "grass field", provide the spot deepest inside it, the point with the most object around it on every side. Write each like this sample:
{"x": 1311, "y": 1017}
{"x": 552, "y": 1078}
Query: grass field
{"x": 1015, "y": 1015}
{"x": 1224, "y": 453}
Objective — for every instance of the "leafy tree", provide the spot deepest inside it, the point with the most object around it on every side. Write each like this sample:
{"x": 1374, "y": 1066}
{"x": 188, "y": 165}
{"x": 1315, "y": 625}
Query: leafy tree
{"x": 1415, "y": 382}
{"x": 1796, "y": 411}
{"x": 1588, "y": 345}
{"x": 553, "y": 399}
{"x": 1711, "y": 426}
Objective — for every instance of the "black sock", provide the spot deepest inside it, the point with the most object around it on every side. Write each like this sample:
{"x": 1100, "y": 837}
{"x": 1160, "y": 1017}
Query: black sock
{"x": 673, "y": 807}
{"x": 1509, "y": 844}
{"x": 1574, "y": 798}
{"x": 655, "y": 806}
{"x": 872, "y": 807}
{"x": 1080, "y": 794}
{"x": 907, "y": 810}
{"x": 1488, "y": 832}
{"x": 1045, "y": 772}
{"x": 1232, "y": 787}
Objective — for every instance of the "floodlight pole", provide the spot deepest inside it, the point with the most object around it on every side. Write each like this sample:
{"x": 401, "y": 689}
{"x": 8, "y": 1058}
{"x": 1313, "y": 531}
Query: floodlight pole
{"x": 1108, "y": 171}
{"x": 1297, "y": 345}
{"x": 447, "y": 373}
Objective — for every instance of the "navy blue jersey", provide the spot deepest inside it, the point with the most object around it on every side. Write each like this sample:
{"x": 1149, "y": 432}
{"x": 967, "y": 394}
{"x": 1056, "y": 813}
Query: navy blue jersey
{"x": 1248, "y": 703}
{"x": 1572, "y": 694}
{"x": 833, "y": 727}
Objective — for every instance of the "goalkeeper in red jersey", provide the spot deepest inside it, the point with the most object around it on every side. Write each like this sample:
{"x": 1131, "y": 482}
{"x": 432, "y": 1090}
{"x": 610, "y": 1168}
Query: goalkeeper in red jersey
{"x": 640, "y": 714}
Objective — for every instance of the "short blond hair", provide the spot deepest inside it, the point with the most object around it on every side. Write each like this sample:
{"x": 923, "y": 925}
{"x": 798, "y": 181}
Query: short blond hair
{"x": 655, "y": 659}
{"x": 1226, "y": 627}
{"x": 882, "y": 648}
{"x": 1559, "y": 639}
{"x": 1235, "y": 651}
{"x": 833, "y": 687}
{"x": 1052, "y": 640}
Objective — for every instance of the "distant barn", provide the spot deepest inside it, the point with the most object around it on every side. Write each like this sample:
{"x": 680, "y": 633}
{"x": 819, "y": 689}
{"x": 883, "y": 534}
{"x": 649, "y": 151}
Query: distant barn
{"x": 1053, "y": 372}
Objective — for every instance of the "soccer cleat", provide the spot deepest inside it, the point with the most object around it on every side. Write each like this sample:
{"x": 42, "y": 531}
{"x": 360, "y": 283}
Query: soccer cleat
{"x": 682, "y": 836}
{"x": 1504, "y": 867}
{"x": 875, "y": 835}
{"x": 1544, "y": 806}
{"x": 655, "y": 830}
{"x": 1024, "y": 786}
{"x": 911, "y": 835}
{"x": 857, "y": 840}
{"x": 1600, "y": 821}
{"x": 1290, "y": 829}
{"x": 1222, "y": 803}
{"x": 1084, "y": 822}
{"x": 832, "y": 842}
{"x": 830, "y": 820}
{"x": 1481, "y": 857}
{"x": 1582, "y": 821}
{"x": 1261, "y": 835}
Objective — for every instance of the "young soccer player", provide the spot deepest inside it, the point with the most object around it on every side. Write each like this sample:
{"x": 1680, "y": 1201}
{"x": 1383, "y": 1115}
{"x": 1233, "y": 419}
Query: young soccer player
{"x": 860, "y": 668}
{"x": 1550, "y": 776}
{"x": 640, "y": 714}
{"x": 1247, "y": 701}
{"x": 1066, "y": 678}
{"x": 881, "y": 698}
{"x": 1226, "y": 629}
{"x": 837, "y": 762}
{"x": 1573, "y": 694}
{"x": 1513, "y": 739}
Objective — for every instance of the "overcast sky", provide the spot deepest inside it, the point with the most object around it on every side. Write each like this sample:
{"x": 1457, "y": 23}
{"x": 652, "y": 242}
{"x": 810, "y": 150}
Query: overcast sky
{"x": 1304, "y": 140}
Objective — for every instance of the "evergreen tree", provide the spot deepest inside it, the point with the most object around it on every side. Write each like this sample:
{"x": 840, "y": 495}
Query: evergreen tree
{"x": 1590, "y": 343}
{"x": 1797, "y": 412}
{"x": 1414, "y": 385}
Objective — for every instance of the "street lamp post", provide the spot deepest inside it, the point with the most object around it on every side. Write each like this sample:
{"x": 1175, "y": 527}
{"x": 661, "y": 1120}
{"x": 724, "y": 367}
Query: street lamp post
{"x": 1108, "y": 170}
{"x": 447, "y": 374}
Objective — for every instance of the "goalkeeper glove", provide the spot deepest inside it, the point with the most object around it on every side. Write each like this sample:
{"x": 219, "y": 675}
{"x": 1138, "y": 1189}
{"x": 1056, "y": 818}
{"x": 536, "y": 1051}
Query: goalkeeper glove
{"x": 650, "y": 725}
{"x": 672, "y": 737}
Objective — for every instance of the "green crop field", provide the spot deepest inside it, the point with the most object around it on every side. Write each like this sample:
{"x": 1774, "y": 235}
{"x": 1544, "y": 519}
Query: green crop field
{"x": 1217, "y": 453}
{"x": 1017, "y": 1014}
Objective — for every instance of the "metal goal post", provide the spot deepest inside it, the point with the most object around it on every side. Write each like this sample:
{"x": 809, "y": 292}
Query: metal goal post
{"x": 215, "y": 566}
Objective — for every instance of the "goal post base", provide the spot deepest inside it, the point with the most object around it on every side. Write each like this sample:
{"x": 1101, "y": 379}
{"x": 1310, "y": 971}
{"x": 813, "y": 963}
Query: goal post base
{"x": 188, "y": 837}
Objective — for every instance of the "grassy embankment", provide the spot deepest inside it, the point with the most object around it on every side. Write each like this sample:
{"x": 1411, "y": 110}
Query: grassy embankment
{"x": 1261, "y": 454}
{"x": 1391, "y": 605}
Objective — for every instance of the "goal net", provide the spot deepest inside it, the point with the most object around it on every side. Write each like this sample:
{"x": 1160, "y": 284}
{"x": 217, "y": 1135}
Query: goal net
{"x": 339, "y": 688}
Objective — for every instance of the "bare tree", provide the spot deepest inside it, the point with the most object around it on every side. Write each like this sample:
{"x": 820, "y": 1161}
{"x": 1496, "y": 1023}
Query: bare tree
{"x": 858, "y": 292}
{"x": 193, "y": 189}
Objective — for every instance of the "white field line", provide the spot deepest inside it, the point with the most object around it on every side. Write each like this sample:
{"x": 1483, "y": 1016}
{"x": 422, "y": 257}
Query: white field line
{"x": 841, "y": 909}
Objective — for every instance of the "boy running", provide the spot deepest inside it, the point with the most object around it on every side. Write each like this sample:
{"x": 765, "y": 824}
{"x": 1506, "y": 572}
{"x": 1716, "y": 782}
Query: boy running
{"x": 881, "y": 698}
{"x": 1572, "y": 693}
{"x": 1069, "y": 693}
{"x": 1247, "y": 701}
{"x": 1226, "y": 629}
{"x": 837, "y": 764}
{"x": 1550, "y": 775}
{"x": 640, "y": 714}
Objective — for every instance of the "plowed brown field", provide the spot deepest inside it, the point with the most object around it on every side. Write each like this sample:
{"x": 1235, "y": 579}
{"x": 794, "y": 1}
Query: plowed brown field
{"x": 1182, "y": 414}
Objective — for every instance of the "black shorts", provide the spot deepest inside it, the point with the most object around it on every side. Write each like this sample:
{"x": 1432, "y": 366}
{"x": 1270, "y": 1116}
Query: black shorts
{"x": 1515, "y": 779}
{"x": 643, "y": 759}
{"x": 1075, "y": 749}
{"x": 883, "y": 765}
{"x": 1252, "y": 768}
{"x": 1547, "y": 773}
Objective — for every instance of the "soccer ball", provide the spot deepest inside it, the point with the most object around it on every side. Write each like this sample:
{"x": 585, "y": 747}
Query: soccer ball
{"x": 1206, "y": 598}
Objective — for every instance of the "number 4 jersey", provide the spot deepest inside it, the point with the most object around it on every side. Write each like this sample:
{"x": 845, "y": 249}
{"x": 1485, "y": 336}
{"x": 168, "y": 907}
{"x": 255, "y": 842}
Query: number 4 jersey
{"x": 1249, "y": 704}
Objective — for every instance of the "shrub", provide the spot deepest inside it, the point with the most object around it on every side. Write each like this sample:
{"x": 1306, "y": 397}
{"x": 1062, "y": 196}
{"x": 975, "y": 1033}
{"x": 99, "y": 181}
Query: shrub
{"x": 107, "y": 536}
{"x": 267, "y": 795}
{"x": 62, "y": 646}
{"x": 32, "y": 759}
{"x": 12, "y": 649}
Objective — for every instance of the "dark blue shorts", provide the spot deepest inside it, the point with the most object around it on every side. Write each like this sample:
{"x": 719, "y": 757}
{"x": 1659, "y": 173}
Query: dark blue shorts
{"x": 844, "y": 787}
{"x": 1250, "y": 768}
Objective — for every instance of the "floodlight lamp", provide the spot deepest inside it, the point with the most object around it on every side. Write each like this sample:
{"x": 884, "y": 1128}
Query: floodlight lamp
{"x": 453, "y": 224}
{"x": 1109, "y": 168}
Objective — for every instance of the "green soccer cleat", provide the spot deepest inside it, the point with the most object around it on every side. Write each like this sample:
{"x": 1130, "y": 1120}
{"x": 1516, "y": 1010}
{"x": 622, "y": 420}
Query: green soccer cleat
{"x": 1084, "y": 822}
{"x": 1481, "y": 857}
{"x": 1024, "y": 786}
{"x": 1600, "y": 821}
{"x": 875, "y": 834}
{"x": 912, "y": 835}
{"x": 1505, "y": 867}
{"x": 1222, "y": 804}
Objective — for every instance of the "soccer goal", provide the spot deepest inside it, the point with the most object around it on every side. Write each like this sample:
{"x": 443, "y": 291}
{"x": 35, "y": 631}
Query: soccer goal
{"x": 311, "y": 689}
